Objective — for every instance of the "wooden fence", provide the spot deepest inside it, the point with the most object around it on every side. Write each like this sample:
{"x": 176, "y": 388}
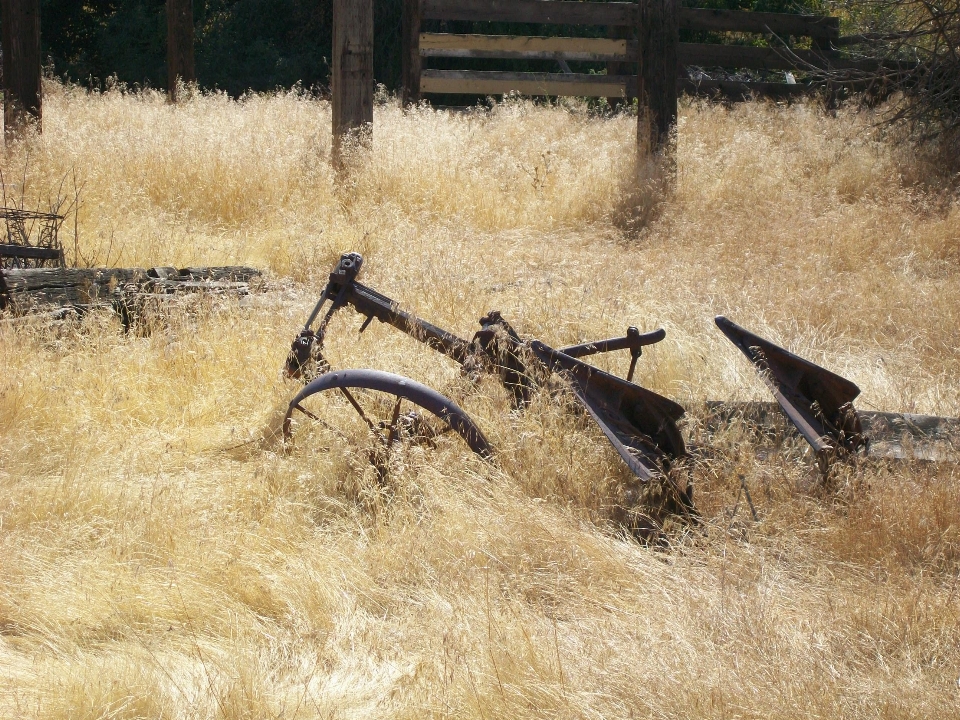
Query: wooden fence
{"x": 626, "y": 23}
{"x": 643, "y": 55}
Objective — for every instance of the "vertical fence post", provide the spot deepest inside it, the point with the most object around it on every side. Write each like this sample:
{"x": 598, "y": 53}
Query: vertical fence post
{"x": 22, "y": 94}
{"x": 179, "y": 45}
{"x": 410, "y": 61}
{"x": 352, "y": 77}
{"x": 658, "y": 35}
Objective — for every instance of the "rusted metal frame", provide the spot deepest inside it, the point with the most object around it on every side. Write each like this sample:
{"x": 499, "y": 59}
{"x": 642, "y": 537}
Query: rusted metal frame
{"x": 342, "y": 289}
{"x": 640, "y": 424}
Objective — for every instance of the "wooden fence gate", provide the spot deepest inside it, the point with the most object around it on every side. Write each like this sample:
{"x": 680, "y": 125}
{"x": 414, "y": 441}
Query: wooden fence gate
{"x": 642, "y": 52}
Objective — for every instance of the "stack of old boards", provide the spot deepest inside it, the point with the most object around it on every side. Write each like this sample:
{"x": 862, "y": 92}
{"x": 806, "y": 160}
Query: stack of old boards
{"x": 60, "y": 291}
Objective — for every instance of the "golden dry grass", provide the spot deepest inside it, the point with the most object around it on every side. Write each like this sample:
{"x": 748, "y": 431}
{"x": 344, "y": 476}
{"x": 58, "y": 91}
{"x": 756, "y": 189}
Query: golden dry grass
{"x": 159, "y": 560}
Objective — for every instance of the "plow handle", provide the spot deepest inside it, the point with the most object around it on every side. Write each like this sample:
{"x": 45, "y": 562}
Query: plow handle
{"x": 634, "y": 341}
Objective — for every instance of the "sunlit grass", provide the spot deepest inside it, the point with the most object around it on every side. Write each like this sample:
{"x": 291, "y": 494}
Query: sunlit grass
{"x": 160, "y": 559}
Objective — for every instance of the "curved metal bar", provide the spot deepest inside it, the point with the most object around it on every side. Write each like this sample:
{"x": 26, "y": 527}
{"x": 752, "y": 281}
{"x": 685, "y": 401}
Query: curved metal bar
{"x": 400, "y": 386}
{"x": 633, "y": 340}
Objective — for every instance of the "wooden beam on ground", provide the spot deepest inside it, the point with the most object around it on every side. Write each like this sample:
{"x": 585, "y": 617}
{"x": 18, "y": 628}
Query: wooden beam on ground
{"x": 30, "y": 252}
{"x": 472, "y": 82}
{"x": 352, "y": 76}
{"x": 28, "y": 289}
{"x": 22, "y": 93}
{"x": 180, "y": 62}
{"x": 539, "y": 12}
{"x": 411, "y": 64}
{"x": 898, "y": 436}
{"x": 524, "y": 47}
{"x": 658, "y": 36}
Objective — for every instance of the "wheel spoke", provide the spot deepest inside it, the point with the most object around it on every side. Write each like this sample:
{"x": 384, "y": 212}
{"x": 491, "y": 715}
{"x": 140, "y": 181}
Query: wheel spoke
{"x": 360, "y": 412}
{"x": 306, "y": 412}
{"x": 393, "y": 423}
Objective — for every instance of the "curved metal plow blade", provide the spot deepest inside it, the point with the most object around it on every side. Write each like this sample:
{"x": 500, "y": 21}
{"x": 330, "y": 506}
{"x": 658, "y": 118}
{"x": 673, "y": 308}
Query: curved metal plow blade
{"x": 818, "y": 402}
{"x": 640, "y": 424}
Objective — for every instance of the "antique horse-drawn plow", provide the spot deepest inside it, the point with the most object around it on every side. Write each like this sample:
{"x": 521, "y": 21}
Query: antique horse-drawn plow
{"x": 640, "y": 424}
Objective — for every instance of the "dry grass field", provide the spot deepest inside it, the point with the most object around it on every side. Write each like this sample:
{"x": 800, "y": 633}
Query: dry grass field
{"x": 161, "y": 556}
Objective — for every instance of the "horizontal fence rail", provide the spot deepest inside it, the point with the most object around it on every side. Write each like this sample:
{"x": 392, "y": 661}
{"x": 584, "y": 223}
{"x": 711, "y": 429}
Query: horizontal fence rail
{"x": 782, "y": 24}
{"x": 476, "y": 82}
{"x": 760, "y": 58}
{"x": 519, "y": 47}
{"x": 620, "y": 14}
{"x": 741, "y": 90}
{"x": 539, "y": 12}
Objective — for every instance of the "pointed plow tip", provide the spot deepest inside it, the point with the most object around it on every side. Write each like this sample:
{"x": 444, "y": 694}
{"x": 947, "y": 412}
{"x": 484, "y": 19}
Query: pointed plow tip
{"x": 727, "y": 327}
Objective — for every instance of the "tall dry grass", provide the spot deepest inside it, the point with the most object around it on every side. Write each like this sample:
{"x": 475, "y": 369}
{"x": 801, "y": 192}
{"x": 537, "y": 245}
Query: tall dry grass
{"x": 159, "y": 560}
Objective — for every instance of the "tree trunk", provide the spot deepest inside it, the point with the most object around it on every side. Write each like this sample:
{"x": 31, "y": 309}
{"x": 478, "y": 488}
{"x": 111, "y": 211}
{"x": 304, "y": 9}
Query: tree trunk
{"x": 22, "y": 96}
{"x": 179, "y": 45}
{"x": 352, "y": 77}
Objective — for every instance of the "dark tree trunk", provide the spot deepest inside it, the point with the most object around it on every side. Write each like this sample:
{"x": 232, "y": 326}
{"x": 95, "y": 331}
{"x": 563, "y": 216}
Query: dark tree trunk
{"x": 21, "y": 64}
{"x": 352, "y": 77}
{"x": 179, "y": 45}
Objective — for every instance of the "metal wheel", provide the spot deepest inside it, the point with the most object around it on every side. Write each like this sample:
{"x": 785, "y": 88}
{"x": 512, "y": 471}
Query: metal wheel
{"x": 376, "y": 399}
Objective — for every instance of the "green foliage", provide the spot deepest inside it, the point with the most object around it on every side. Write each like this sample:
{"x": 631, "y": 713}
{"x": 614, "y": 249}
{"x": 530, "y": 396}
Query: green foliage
{"x": 265, "y": 44}
{"x": 92, "y": 40}
{"x": 240, "y": 44}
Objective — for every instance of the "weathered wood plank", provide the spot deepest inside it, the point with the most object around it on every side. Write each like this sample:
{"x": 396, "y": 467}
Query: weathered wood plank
{"x": 411, "y": 64}
{"x": 891, "y": 435}
{"x": 352, "y": 69}
{"x": 557, "y": 12}
{"x": 621, "y": 68}
{"x": 524, "y": 47}
{"x": 62, "y": 279}
{"x": 36, "y": 279}
{"x": 175, "y": 286}
{"x": 469, "y": 82}
{"x": 781, "y": 24}
{"x": 625, "y": 14}
{"x": 235, "y": 273}
{"x": 868, "y": 38}
{"x": 28, "y": 251}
